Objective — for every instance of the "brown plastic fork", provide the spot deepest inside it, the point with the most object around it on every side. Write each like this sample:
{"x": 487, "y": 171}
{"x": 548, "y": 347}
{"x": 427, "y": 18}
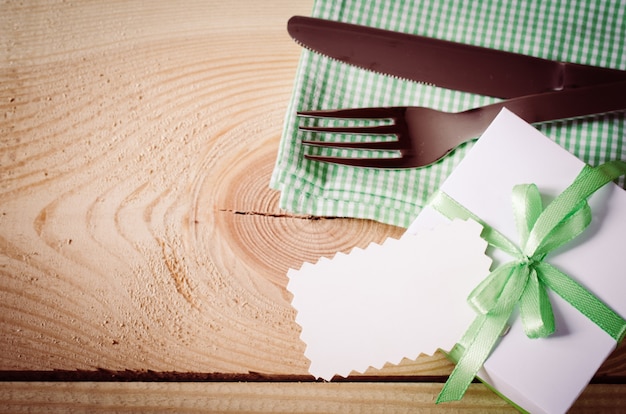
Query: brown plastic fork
{"x": 425, "y": 135}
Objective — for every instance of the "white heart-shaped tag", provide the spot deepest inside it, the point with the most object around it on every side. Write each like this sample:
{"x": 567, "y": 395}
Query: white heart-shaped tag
{"x": 390, "y": 301}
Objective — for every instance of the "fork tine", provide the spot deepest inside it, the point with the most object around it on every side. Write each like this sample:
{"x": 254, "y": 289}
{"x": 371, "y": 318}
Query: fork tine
{"x": 372, "y": 145}
{"x": 359, "y": 130}
{"x": 355, "y": 113}
{"x": 390, "y": 163}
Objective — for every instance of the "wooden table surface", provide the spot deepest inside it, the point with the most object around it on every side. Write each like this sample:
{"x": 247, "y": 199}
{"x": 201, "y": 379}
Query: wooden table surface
{"x": 143, "y": 257}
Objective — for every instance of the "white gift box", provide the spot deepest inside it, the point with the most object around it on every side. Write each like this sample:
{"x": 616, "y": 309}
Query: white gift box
{"x": 543, "y": 375}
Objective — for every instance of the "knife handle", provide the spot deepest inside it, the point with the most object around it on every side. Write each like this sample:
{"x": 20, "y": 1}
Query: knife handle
{"x": 575, "y": 75}
{"x": 564, "y": 104}
{"x": 490, "y": 71}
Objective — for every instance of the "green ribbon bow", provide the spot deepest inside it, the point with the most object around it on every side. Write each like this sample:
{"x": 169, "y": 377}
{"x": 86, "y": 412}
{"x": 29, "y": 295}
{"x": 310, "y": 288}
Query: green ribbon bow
{"x": 524, "y": 281}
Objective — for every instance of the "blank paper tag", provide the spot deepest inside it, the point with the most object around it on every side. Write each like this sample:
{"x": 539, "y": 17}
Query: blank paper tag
{"x": 389, "y": 301}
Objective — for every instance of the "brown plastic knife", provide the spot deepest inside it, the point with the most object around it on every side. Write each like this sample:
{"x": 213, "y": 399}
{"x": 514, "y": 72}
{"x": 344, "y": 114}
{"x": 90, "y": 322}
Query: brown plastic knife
{"x": 442, "y": 63}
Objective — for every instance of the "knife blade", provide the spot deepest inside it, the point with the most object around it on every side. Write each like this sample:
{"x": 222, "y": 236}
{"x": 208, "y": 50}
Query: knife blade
{"x": 443, "y": 63}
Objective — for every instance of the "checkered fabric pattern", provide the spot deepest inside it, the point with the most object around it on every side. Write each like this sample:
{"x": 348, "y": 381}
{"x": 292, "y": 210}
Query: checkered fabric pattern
{"x": 580, "y": 31}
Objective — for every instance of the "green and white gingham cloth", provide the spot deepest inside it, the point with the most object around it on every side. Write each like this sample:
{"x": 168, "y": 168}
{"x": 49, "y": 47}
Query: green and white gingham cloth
{"x": 580, "y": 31}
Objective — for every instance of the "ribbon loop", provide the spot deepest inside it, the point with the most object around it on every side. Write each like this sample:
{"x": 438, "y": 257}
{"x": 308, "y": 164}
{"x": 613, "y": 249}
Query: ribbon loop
{"x": 527, "y": 207}
{"x": 486, "y": 295}
{"x": 563, "y": 231}
{"x": 588, "y": 182}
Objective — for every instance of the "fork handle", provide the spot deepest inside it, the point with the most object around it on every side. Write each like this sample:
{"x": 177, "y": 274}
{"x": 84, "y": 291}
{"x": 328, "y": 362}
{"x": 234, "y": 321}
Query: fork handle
{"x": 564, "y": 104}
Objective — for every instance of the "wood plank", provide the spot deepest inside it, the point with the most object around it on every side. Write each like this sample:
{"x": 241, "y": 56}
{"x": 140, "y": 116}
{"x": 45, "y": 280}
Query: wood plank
{"x": 241, "y": 397}
{"x": 18, "y": 397}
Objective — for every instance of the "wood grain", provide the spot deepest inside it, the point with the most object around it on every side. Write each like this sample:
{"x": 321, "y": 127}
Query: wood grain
{"x": 237, "y": 397}
{"x": 137, "y": 229}
{"x": 86, "y": 397}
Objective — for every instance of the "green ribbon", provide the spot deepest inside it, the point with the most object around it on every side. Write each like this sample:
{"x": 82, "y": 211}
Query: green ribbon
{"x": 524, "y": 281}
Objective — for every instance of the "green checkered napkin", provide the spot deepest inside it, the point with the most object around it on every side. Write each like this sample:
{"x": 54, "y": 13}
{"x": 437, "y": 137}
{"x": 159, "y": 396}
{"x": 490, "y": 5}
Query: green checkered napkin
{"x": 580, "y": 31}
